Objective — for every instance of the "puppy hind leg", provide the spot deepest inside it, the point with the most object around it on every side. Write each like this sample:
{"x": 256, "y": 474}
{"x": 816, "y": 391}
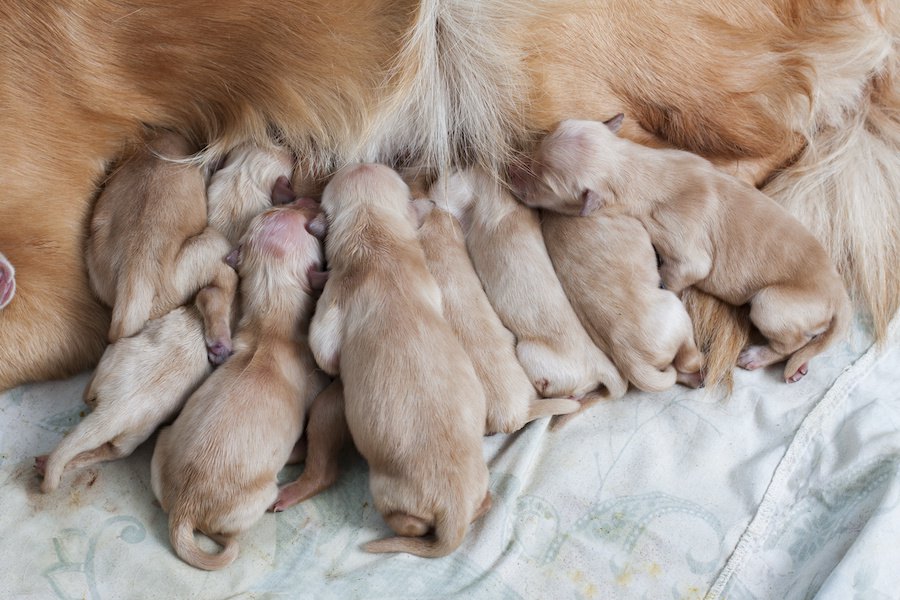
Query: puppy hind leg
{"x": 215, "y": 306}
{"x": 133, "y": 306}
{"x": 201, "y": 262}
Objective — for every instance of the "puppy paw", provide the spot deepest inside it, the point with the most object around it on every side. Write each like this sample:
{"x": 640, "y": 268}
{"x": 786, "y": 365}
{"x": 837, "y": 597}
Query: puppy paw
{"x": 751, "y": 358}
{"x": 7, "y": 282}
{"x": 542, "y": 385}
{"x": 288, "y": 496}
{"x": 801, "y": 371}
{"x": 40, "y": 464}
{"x": 691, "y": 380}
{"x": 218, "y": 351}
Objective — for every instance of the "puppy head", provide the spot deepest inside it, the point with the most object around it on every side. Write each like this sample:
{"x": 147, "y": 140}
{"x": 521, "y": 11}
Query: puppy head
{"x": 570, "y": 168}
{"x": 254, "y": 171}
{"x": 278, "y": 247}
{"x": 455, "y": 193}
{"x": 365, "y": 185}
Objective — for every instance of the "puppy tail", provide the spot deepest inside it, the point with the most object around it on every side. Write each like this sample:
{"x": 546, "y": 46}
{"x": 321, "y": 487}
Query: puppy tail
{"x": 549, "y": 407}
{"x": 449, "y": 531}
{"x": 839, "y": 325}
{"x": 721, "y": 331}
{"x": 181, "y": 534}
{"x": 650, "y": 379}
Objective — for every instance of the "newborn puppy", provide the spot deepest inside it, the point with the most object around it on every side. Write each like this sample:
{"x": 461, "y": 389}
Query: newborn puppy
{"x": 214, "y": 469}
{"x": 712, "y": 231}
{"x": 150, "y": 249}
{"x": 327, "y": 434}
{"x": 413, "y": 402}
{"x": 7, "y": 281}
{"x": 512, "y": 400}
{"x": 141, "y": 382}
{"x": 505, "y": 244}
{"x": 608, "y": 269}
{"x": 251, "y": 180}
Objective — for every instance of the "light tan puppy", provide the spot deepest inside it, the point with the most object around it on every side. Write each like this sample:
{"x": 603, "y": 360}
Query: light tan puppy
{"x": 150, "y": 249}
{"x": 608, "y": 269}
{"x": 712, "y": 231}
{"x": 214, "y": 469}
{"x": 505, "y": 244}
{"x": 411, "y": 395}
{"x": 512, "y": 400}
{"x": 327, "y": 434}
{"x": 252, "y": 179}
{"x": 141, "y": 382}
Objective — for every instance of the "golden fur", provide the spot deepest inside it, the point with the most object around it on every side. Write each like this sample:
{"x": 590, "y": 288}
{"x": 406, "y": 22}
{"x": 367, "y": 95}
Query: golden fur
{"x": 213, "y": 469}
{"x": 512, "y": 400}
{"x": 607, "y": 267}
{"x": 411, "y": 395}
{"x": 712, "y": 231}
{"x": 802, "y": 94}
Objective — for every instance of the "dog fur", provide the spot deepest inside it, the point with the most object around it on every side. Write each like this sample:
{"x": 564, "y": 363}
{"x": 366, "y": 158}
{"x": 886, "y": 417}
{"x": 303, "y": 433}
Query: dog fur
{"x": 212, "y": 470}
{"x": 379, "y": 323}
{"x": 800, "y": 95}
{"x": 607, "y": 267}
{"x": 712, "y": 231}
{"x": 512, "y": 400}
{"x": 150, "y": 249}
{"x": 504, "y": 242}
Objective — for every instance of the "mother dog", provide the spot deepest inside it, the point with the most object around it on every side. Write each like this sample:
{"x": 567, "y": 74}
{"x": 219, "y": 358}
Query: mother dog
{"x": 799, "y": 95}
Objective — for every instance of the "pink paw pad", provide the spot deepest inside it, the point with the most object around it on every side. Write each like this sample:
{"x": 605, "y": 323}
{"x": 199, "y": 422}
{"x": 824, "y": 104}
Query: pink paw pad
{"x": 40, "y": 464}
{"x": 803, "y": 370}
{"x": 218, "y": 352}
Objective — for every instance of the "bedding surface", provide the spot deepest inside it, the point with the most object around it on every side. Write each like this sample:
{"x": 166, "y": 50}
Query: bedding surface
{"x": 778, "y": 491}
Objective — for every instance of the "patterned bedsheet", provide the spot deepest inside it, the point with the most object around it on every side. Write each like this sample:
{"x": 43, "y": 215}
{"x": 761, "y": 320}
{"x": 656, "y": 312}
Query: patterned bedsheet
{"x": 779, "y": 491}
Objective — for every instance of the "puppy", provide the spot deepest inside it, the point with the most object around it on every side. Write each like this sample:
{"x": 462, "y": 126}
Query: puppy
{"x": 252, "y": 178}
{"x": 512, "y": 400}
{"x": 150, "y": 249}
{"x": 141, "y": 382}
{"x": 712, "y": 232}
{"x": 505, "y": 244}
{"x": 214, "y": 469}
{"x": 7, "y": 281}
{"x": 414, "y": 406}
{"x": 607, "y": 267}
{"x": 327, "y": 434}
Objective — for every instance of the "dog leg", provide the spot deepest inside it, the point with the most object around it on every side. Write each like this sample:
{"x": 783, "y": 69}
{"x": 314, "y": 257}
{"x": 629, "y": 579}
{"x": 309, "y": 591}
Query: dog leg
{"x": 215, "y": 305}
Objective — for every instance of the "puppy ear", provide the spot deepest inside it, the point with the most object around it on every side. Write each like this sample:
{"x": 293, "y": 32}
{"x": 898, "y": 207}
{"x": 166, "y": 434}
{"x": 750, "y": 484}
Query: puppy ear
{"x": 591, "y": 202}
{"x": 282, "y": 192}
{"x": 234, "y": 257}
{"x": 615, "y": 123}
{"x": 318, "y": 226}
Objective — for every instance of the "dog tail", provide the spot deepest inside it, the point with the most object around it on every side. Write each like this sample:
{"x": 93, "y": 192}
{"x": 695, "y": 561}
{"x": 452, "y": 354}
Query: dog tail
{"x": 650, "y": 379}
{"x": 550, "y": 407}
{"x": 838, "y": 326}
{"x": 181, "y": 534}
{"x": 721, "y": 331}
{"x": 450, "y": 528}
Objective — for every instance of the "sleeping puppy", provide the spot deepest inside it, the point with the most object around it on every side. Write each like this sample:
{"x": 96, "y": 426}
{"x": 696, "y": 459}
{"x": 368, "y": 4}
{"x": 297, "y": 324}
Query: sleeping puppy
{"x": 607, "y": 267}
{"x": 252, "y": 179}
{"x": 505, "y": 244}
{"x": 411, "y": 395}
{"x": 712, "y": 232}
{"x": 214, "y": 469}
{"x": 327, "y": 434}
{"x": 150, "y": 249}
{"x": 141, "y": 382}
{"x": 7, "y": 281}
{"x": 512, "y": 400}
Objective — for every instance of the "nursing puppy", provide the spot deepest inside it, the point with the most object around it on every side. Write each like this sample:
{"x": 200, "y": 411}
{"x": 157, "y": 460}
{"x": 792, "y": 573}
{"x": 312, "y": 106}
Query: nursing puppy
{"x": 607, "y": 267}
{"x": 712, "y": 232}
{"x": 326, "y": 434}
{"x": 140, "y": 383}
{"x": 214, "y": 469}
{"x": 150, "y": 249}
{"x": 512, "y": 400}
{"x": 252, "y": 179}
{"x": 411, "y": 395}
{"x": 505, "y": 244}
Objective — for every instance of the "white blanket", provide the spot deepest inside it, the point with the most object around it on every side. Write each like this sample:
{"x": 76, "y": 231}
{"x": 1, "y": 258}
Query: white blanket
{"x": 780, "y": 491}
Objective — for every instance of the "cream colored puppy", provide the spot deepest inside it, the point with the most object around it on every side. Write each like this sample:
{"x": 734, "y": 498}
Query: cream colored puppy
{"x": 413, "y": 402}
{"x": 506, "y": 247}
{"x": 140, "y": 383}
{"x": 150, "y": 249}
{"x": 512, "y": 400}
{"x": 252, "y": 179}
{"x": 214, "y": 469}
{"x": 712, "y": 231}
{"x": 608, "y": 269}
